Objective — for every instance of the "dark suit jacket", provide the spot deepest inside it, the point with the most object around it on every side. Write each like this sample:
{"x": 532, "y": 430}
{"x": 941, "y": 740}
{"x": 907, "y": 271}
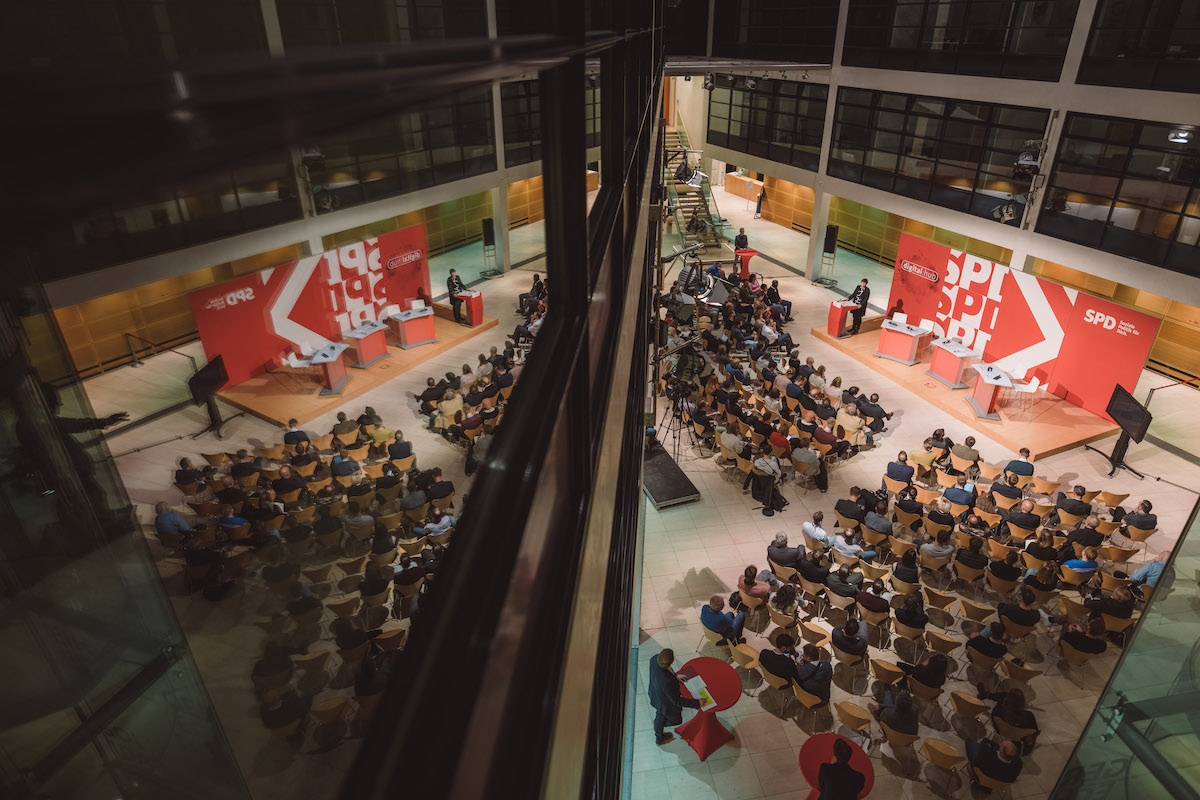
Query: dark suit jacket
{"x": 854, "y": 647}
{"x": 1140, "y": 520}
{"x": 850, "y": 509}
{"x": 399, "y": 450}
{"x": 741, "y": 242}
{"x": 839, "y": 782}
{"x": 455, "y": 285}
{"x": 900, "y": 472}
{"x": 1072, "y": 505}
{"x": 665, "y": 698}
{"x": 439, "y": 489}
{"x": 295, "y": 437}
{"x": 1004, "y": 490}
{"x": 861, "y": 295}
{"x": 785, "y": 556}
{"x": 1022, "y": 519}
{"x": 960, "y": 496}
{"x": 778, "y": 664}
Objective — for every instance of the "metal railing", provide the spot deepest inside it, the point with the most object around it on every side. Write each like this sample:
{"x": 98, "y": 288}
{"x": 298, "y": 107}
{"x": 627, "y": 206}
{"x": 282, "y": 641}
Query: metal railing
{"x": 135, "y": 359}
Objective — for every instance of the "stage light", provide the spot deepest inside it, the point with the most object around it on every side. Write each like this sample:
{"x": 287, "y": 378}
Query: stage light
{"x": 1005, "y": 212}
{"x": 1179, "y": 136}
{"x": 751, "y": 83}
{"x": 696, "y": 179}
{"x": 708, "y": 83}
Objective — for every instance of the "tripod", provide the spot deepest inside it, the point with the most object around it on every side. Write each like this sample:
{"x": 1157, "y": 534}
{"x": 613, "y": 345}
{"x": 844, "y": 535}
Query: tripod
{"x": 672, "y": 426}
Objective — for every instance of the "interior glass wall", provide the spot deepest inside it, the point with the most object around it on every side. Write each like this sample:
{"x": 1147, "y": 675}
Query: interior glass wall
{"x": 1150, "y": 44}
{"x": 445, "y": 141}
{"x": 953, "y": 153}
{"x": 522, "y": 119}
{"x": 325, "y": 23}
{"x": 777, "y": 119}
{"x": 995, "y": 38}
{"x": 225, "y": 203}
{"x": 52, "y": 34}
{"x": 1128, "y": 187}
{"x": 101, "y": 698}
{"x": 1142, "y": 737}
{"x": 783, "y": 30}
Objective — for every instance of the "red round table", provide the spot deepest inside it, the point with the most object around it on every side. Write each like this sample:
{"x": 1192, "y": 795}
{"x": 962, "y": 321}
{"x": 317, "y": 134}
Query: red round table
{"x": 704, "y": 732}
{"x": 818, "y": 750}
{"x": 745, "y": 255}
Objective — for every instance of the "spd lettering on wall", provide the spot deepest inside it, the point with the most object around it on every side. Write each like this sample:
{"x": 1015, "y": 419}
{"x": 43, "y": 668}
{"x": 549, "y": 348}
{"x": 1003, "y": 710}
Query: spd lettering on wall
{"x": 256, "y": 320}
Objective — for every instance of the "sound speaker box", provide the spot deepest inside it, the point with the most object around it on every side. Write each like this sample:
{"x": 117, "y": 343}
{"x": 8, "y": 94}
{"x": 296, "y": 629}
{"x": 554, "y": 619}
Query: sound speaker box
{"x": 831, "y": 234}
{"x": 489, "y": 233}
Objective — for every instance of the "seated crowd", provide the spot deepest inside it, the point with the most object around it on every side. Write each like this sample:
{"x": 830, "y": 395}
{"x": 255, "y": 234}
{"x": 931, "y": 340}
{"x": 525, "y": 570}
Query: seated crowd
{"x": 1018, "y": 561}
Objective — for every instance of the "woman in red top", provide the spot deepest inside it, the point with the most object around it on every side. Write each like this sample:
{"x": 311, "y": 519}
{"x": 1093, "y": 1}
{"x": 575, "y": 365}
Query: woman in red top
{"x": 779, "y": 438}
{"x": 750, "y": 584}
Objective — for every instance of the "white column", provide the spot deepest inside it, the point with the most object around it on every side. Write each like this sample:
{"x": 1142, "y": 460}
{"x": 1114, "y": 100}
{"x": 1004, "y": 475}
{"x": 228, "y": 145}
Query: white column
{"x": 816, "y": 240}
{"x": 500, "y": 224}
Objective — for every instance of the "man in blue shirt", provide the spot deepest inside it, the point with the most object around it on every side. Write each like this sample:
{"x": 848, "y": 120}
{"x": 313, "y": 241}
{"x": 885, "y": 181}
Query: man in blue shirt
{"x": 170, "y": 523}
{"x": 399, "y": 449}
{"x": 727, "y": 624}
{"x": 960, "y": 494}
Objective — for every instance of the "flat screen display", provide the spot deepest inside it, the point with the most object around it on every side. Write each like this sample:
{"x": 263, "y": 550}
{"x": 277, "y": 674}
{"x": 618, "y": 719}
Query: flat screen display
{"x": 1133, "y": 418}
{"x": 207, "y": 380}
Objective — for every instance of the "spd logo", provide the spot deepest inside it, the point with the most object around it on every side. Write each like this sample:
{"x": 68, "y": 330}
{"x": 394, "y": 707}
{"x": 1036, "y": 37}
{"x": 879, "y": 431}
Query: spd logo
{"x": 231, "y": 299}
{"x": 1099, "y": 318}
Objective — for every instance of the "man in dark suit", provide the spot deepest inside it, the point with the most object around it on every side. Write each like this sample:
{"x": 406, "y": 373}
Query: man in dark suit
{"x": 779, "y": 552}
{"x": 899, "y": 470}
{"x": 806, "y": 369}
{"x": 1142, "y": 518}
{"x": 244, "y": 466}
{"x": 399, "y": 448}
{"x": 1020, "y": 515}
{"x": 294, "y": 435}
{"x": 1007, "y": 487}
{"x": 230, "y": 492}
{"x": 1087, "y": 534}
{"x": 665, "y": 697}
{"x": 741, "y": 242}
{"x": 439, "y": 488}
{"x": 343, "y": 428}
{"x": 1020, "y": 466}
{"x": 287, "y": 481}
{"x": 850, "y": 509}
{"x": 860, "y": 295}
{"x": 871, "y": 408}
{"x": 837, "y": 778}
{"x": 188, "y": 474}
{"x": 454, "y": 285}
{"x": 535, "y": 292}
{"x": 1072, "y": 504}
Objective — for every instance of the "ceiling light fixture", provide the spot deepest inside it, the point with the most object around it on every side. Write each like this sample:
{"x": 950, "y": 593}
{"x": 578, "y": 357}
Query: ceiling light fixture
{"x": 751, "y": 83}
{"x": 1179, "y": 136}
{"x": 708, "y": 83}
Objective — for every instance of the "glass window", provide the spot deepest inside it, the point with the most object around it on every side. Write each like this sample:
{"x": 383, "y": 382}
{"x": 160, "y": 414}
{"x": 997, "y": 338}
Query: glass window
{"x": 1132, "y": 196}
{"x": 1147, "y": 45}
{"x": 769, "y": 113}
{"x": 1004, "y": 38}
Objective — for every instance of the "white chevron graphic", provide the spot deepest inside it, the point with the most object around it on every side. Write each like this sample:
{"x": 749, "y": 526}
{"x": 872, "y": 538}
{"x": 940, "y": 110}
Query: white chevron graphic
{"x": 285, "y": 327}
{"x": 1019, "y": 363}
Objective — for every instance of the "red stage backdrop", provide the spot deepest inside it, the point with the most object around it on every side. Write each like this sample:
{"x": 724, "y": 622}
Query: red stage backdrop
{"x": 1030, "y": 327}
{"x": 257, "y": 319}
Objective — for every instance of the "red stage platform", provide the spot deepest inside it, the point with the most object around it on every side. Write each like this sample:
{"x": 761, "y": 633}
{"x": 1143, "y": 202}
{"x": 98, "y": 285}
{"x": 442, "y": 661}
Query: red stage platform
{"x": 1050, "y": 426}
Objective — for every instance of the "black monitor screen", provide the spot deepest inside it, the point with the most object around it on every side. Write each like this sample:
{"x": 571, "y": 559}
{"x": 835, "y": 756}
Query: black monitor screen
{"x": 1133, "y": 418}
{"x": 207, "y": 380}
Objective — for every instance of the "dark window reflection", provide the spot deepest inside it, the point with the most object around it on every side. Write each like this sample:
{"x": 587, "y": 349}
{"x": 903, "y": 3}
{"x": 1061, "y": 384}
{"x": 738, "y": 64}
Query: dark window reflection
{"x": 1150, "y": 44}
{"x": 1127, "y": 187}
{"x": 1002, "y": 38}
{"x": 784, "y": 30}
{"x": 952, "y": 153}
{"x": 777, "y": 119}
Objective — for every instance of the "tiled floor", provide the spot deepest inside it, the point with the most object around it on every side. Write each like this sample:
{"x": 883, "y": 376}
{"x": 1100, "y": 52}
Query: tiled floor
{"x": 224, "y": 637}
{"x": 690, "y": 553}
{"x": 697, "y": 550}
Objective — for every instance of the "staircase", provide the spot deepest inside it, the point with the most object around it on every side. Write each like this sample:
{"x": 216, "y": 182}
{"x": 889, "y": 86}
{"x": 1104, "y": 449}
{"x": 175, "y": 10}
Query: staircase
{"x": 692, "y": 199}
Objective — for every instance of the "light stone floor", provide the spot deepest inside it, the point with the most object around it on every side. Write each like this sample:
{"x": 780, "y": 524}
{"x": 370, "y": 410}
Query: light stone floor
{"x": 697, "y": 550}
{"x": 690, "y": 553}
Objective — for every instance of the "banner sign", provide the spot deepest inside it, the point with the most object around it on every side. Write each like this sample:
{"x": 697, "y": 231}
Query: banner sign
{"x": 256, "y": 320}
{"x": 1029, "y": 327}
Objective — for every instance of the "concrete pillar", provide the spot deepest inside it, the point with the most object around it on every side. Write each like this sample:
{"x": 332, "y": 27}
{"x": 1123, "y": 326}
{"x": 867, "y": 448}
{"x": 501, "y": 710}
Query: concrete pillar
{"x": 816, "y": 240}
{"x": 500, "y": 218}
{"x": 274, "y": 33}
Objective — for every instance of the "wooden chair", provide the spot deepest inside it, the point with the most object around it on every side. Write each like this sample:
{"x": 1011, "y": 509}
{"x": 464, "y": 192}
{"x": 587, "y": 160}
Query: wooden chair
{"x": 1111, "y": 499}
{"x": 991, "y": 520}
{"x": 991, "y": 784}
{"x": 1076, "y": 658}
{"x": 1000, "y": 587}
{"x": 966, "y": 705}
{"x": 975, "y": 612}
{"x": 1117, "y": 624}
{"x": 930, "y": 563}
{"x": 444, "y": 503}
{"x": 961, "y": 464}
{"x": 934, "y": 528}
{"x": 855, "y": 717}
{"x": 1066, "y": 520}
{"x": 346, "y": 608}
{"x": 1023, "y": 481}
{"x": 812, "y": 544}
{"x": 887, "y": 672}
{"x": 781, "y": 572}
{"x": 384, "y": 559}
{"x": 836, "y": 600}
{"x": 1011, "y": 731}
{"x": 744, "y": 656}
{"x": 942, "y": 755}
{"x": 958, "y": 509}
{"x": 417, "y": 514}
{"x": 987, "y": 471}
{"x": 1043, "y": 487}
{"x": 718, "y": 641}
{"x": 352, "y": 566}
{"x": 1139, "y": 534}
{"x": 845, "y": 658}
{"x": 1090, "y": 495}
{"x": 915, "y": 635}
{"x": 965, "y": 573}
{"x": 1073, "y": 610}
{"x": 873, "y": 573}
{"x": 782, "y": 620}
{"x": 846, "y": 561}
{"x": 929, "y": 694}
{"x": 845, "y": 522}
{"x": 898, "y": 740}
{"x": 902, "y": 588}
{"x": 814, "y": 634}
{"x": 405, "y": 464}
{"x": 902, "y": 546}
{"x": 814, "y": 590}
{"x": 938, "y": 600}
{"x": 1072, "y": 577}
{"x": 1107, "y": 527}
{"x": 1005, "y": 502}
{"x": 1017, "y": 672}
{"x": 1031, "y": 562}
{"x": 1017, "y": 532}
{"x": 406, "y": 590}
{"x": 412, "y": 547}
{"x": 946, "y": 480}
{"x": 941, "y": 643}
{"x": 906, "y": 518}
{"x": 1117, "y": 555}
{"x": 391, "y": 641}
{"x": 377, "y": 599}
{"x": 749, "y": 602}
{"x": 927, "y": 497}
{"x": 877, "y": 541}
{"x": 894, "y": 486}
{"x": 216, "y": 459}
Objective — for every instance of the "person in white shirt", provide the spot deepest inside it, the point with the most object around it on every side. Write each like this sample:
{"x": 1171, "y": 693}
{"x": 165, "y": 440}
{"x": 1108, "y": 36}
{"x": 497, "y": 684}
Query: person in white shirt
{"x": 815, "y": 531}
{"x": 731, "y": 441}
{"x": 770, "y": 464}
{"x": 766, "y": 484}
{"x": 846, "y": 545}
{"x": 438, "y": 523}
